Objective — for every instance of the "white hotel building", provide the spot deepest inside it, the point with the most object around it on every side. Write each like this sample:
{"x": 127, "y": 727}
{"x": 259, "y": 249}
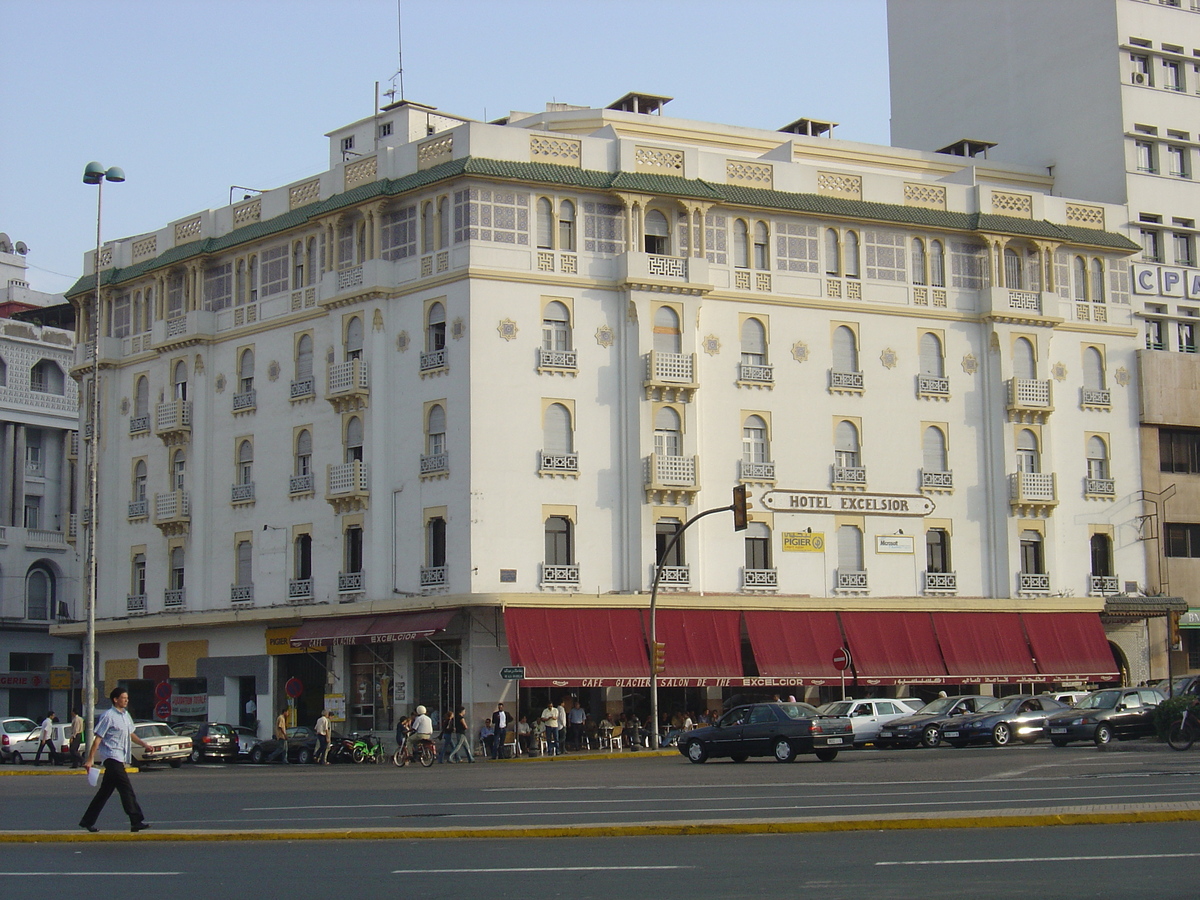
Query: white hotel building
{"x": 430, "y": 412}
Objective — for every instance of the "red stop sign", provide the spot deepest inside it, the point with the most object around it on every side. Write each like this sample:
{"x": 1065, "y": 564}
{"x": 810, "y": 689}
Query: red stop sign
{"x": 841, "y": 659}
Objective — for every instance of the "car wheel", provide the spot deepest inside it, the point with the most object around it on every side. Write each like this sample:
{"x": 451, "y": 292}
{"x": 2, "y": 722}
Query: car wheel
{"x": 304, "y": 757}
{"x": 784, "y": 751}
{"x": 739, "y": 757}
{"x": 696, "y": 752}
{"x": 256, "y": 755}
{"x": 827, "y": 755}
{"x": 1104, "y": 735}
{"x": 175, "y": 763}
{"x": 17, "y": 758}
{"x": 1002, "y": 734}
{"x": 195, "y": 756}
{"x": 931, "y": 736}
{"x": 1058, "y": 742}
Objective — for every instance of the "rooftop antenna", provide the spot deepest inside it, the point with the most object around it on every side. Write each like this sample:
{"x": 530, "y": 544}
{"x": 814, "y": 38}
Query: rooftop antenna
{"x": 397, "y": 79}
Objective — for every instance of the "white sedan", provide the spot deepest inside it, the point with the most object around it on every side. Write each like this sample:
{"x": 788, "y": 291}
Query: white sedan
{"x": 165, "y": 745}
{"x": 866, "y": 716}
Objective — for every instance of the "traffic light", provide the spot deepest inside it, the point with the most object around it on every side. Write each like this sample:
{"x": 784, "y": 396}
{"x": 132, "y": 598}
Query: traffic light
{"x": 740, "y": 505}
{"x": 660, "y": 657}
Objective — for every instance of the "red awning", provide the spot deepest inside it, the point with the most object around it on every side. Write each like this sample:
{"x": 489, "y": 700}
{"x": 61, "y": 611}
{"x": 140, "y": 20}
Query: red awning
{"x": 560, "y": 647}
{"x": 893, "y": 647}
{"x": 1070, "y": 646}
{"x": 984, "y": 647}
{"x": 382, "y": 629}
{"x": 699, "y": 642}
{"x": 795, "y": 644}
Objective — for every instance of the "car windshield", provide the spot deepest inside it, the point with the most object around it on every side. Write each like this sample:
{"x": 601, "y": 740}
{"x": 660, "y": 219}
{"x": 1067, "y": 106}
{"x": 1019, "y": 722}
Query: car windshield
{"x": 1100, "y": 700}
{"x": 940, "y": 705}
{"x": 153, "y": 730}
{"x": 841, "y": 708}
{"x": 993, "y": 705}
{"x": 218, "y": 729}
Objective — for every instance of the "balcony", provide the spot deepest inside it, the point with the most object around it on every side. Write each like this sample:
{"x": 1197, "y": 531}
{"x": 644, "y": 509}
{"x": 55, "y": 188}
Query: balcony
{"x": 1033, "y": 583}
{"x": 933, "y": 387}
{"x": 348, "y": 387}
{"x": 139, "y": 424}
{"x": 138, "y": 509}
{"x": 939, "y": 582}
{"x": 241, "y": 593}
{"x": 173, "y": 422}
{"x": 937, "y": 482}
{"x": 173, "y": 512}
{"x": 678, "y": 578}
{"x": 302, "y": 484}
{"x": 1032, "y": 493}
{"x": 671, "y": 479}
{"x": 350, "y": 582}
{"x": 663, "y": 274}
{"x": 1103, "y": 488}
{"x": 845, "y": 382}
{"x": 433, "y": 578}
{"x": 565, "y": 464}
{"x": 851, "y": 582}
{"x": 756, "y": 471}
{"x": 670, "y": 376}
{"x": 244, "y": 402}
{"x": 135, "y": 603}
{"x": 1015, "y": 306}
{"x": 242, "y": 493}
{"x": 348, "y": 486}
{"x": 756, "y": 374}
{"x": 1029, "y": 400}
{"x": 433, "y": 361}
{"x": 435, "y": 464}
{"x": 40, "y": 537}
{"x": 561, "y": 361}
{"x": 760, "y": 579}
{"x": 557, "y": 576}
{"x": 1095, "y": 398}
{"x": 303, "y": 389}
{"x": 300, "y": 589}
{"x": 1103, "y": 585}
{"x": 851, "y": 477}
{"x": 173, "y": 598}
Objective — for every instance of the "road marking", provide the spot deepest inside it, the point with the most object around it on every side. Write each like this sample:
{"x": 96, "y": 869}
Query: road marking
{"x": 515, "y": 869}
{"x": 107, "y": 872}
{"x": 1029, "y": 859}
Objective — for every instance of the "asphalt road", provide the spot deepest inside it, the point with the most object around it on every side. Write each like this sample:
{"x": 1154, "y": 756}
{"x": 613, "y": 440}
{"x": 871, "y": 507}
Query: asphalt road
{"x": 626, "y": 791}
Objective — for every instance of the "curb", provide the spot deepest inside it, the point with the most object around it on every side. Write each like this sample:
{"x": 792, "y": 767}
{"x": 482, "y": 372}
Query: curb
{"x": 1039, "y": 820}
{"x": 39, "y": 773}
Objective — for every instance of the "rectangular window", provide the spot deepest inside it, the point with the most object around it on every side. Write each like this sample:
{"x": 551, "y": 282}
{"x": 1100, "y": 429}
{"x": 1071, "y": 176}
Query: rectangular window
{"x": 1154, "y": 335}
{"x": 121, "y": 316}
{"x": 968, "y": 266}
{"x": 1177, "y": 161}
{"x": 1147, "y": 157}
{"x": 1187, "y": 337}
{"x": 482, "y": 214}
{"x": 275, "y": 270}
{"x": 1182, "y": 540}
{"x": 1141, "y": 68}
{"x": 385, "y": 129}
{"x": 1185, "y": 249}
{"x": 399, "y": 233}
{"x": 1172, "y": 75}
{"x": 1151, "y": 248}
{"x": 604, "y": 229}
{"x": 885, "y": 255}
{"x": 218, "y": 287}
{"x": 1179, "y": 451}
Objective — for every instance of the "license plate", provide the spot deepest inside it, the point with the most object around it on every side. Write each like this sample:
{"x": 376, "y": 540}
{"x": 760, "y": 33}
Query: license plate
{"x": 885, "y": 734}
{"x": 1058, "y": 731}
{"x": 834, "y": 741}
{"x": 950, "y": 733}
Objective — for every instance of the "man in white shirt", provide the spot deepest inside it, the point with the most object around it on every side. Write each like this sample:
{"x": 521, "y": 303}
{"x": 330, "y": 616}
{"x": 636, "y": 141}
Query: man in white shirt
{"x": 112, "y": 749}
{"x": 550, "y": 722}
{"x": 322, "y": 729}
{"x": 422, "y": 729}
{"x": 46, "y": 739}
{"x": 561, "y": 712}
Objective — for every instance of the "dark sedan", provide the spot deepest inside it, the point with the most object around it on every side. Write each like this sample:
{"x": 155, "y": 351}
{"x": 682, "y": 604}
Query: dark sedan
{"x": 301, "y": 746}
{"x": 1021, "y": 717}
{"x": 925, "y": 726}
{"x": 781, "y": 730}
{"x": 210, "y": 740}
{"x": 1106, "y": 715}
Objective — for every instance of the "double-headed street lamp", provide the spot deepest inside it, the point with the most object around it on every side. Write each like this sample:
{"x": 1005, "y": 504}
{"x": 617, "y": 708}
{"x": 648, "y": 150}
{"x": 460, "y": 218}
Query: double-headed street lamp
{"x": 96, "y": 174}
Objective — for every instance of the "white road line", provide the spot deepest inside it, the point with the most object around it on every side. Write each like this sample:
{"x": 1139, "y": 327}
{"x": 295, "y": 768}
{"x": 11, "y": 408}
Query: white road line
{"x": 110, "y": 873}
{"x": 514, "y": 869}
{"x": 1035, "y": 859}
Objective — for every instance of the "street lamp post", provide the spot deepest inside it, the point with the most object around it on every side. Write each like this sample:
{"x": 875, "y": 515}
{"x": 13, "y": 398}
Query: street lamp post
{"x": 96, "y": 174}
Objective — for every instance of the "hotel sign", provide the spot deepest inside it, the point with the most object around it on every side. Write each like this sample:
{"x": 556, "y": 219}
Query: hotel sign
{"x": 846, "y": 503}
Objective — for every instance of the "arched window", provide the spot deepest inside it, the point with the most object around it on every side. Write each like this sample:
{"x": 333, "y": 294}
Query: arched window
{"x": 932, "y": 362}
{"x": 1033, "y": 561}
{"x": 850, "y": 254}
{"x": 39, "y": 594}
{"x": 141, "y": 397}
{"x": 758, "y": 546}
{"x": 443, "y": 223}
{"x": 741, "y": 244}
{"x": 918, "y": 261}
{"x": 1101, "y": 551}
{"x": 244, "y": 574}
{"x": 845, "y": 350}
{"x": 303, "y": 461}
{"x": 560, "y": 541}
{"x": 556, "y": 327}
{"x": 1013, "y": 274}
{"x": 667, "y": 433}
{"x": 246, "y": 372}
{"x": 1079, "y": 270}
{"x": 937, "y": 551}
{"x": 310, "y": 261}
{"x": 435, "y": 328}
{"x": 298, "y": 264}
{"x": 937, "y": 264}
{"x": 354, "y": 339}
{"x": 435, "y": 542}
{"x": 352, "y": 548}
{"x": 427, "y": 227}
{"x": 178, "y": 470}
{"x": 761, "y": 246}
{"x": 1097, "y": 459}
{"x": 245, "y": 463}
{"x": 46, "y": 377}
{"x": 664, "y": 530}
{"x": 435, "y": 431}
{"x": 1024, "y": 361}
{"x": 1093, "y": 369}
{"x": 833, "y": 252}
{"x": 849, "y": 548}
{"x": 556, "y": 430}
{"x": 754, "y": 440}
{"x": 137, "y": 580}
{"x": 176, "y": 578}
{"x": 180, "y": 380}
{"x": 354, "y": 440}
{"x": 667, "y": 338}
{"x": 1028, "y": 456}
{"x": 545, "y": 224}
{"x": 845, "y": 445}
{"x": 303, "y": 557}
{"x": 566, "y": 225}
{"x": 657, "y": 235}
{"x": 933, "y": 450}
{"x": 139, "y": 481}
{"x": 304, "y": 357}
{"x": 1033, "y": 269}
{"x": 754, "y": 343}
{"x": 1097, "y": 281}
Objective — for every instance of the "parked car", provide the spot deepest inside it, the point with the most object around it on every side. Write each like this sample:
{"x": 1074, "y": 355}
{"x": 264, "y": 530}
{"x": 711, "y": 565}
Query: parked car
{"x": 209, "y": 739}
{"x": 916, "y": 704}
{"x": 1021, "y": 717}
{"x": 925, "y": 727}
{"x": 781, "y": 730}
{"x": 247, "y": 739}
{"x": 14, "y": 730}
{"x": 1183, "y": 685}
{"x": 165, "y": 745}
{"x": 25, "y": 749}
{"x": 1106, "y": 715}
{"x": 301, "y": 741}
{"x": 1070, "y": 698}
{"x": 866, "y": 716}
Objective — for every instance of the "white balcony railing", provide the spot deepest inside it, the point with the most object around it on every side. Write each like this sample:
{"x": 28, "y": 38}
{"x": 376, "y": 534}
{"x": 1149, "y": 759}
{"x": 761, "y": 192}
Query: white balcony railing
{"x": 138, "y": 509}
{"x": 433, "y": 576}
{"x": 849, "y": 580}
{"x": 244, "y": 400}
{"x": 175, "y": 415}
{"x": 940, "y": 582}
{"x": 135, "y": 603}
{"x": 933, "y": 385}
{"x": 241, "y": 593}
{"x": 173, "y": 598}
{"x": 666, "y": 266}
{"x": 556, "y": 359}
{"x": 1100, "y": 585}
{"x": 349, "y": 376}
{"x": 139, "y": 424}
{"x": 760, "y": 579}
{"x": 756, "y": 373}
{"x": 558, "y": 462}
{"x": 348, "y": 478}
{"x": 1099, "y": 487}
{"x": 560, "y": 575}
{"x": 242, "y": 493}
{"x": 845, "y": 381}
{"x": 670, "y": 368}
{"x": 672, "y": 576}
{"x": 937, "y": 481}
{"x": 1033, "y": 583}
{"x": 672, "y": 471}
{"x": 756, "y": 471}
{"x": 172, "y": 505}
{"x": 300, "y": 589}
{"x": 856, "y": 475}
{"x": 1032, "y": 487}
{"x": 302, "y": 484}
{"x": 433, "y": 359}
{"x": 1028, "y": 393}
{"x": 1095, "y": 398}
{"x": 350, "y": 582}
{"x": 437, "y": 462}
{"x": 302, "y": 387}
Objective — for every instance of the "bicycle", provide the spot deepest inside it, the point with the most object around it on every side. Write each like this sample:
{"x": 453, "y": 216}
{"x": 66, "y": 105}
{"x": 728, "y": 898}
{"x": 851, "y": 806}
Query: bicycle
{"x": 425, "y": 753}
{"x": 1182, "y": 734}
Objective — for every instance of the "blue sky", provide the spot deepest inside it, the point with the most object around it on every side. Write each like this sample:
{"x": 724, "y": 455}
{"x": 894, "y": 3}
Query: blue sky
{"x": 190, "y": 97}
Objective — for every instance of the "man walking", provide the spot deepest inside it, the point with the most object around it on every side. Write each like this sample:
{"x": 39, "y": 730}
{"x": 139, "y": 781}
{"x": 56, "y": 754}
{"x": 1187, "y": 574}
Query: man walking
{"x": 462, "y": 737}
{"x": 500, "y": 723}
{"x": 112, "y": 749}
{"x": 46, "y": 739}
{"x": 281, "y": 745}
{"x": 75, "y": 739}
{"x": 322, "y": 730}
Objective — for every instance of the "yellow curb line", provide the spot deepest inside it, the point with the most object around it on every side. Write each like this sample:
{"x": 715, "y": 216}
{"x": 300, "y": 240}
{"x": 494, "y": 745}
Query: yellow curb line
{"x": 621, "y": 754}
{"x": 724, "y": 828}
{"x": 38, "y": 772}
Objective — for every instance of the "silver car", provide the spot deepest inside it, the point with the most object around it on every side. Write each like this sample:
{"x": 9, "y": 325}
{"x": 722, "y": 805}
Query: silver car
{"x": 866, "y": 716}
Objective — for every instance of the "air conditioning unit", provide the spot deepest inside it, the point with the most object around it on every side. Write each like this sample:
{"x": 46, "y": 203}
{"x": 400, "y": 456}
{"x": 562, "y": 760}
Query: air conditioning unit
{"x": 1139, "y": 77}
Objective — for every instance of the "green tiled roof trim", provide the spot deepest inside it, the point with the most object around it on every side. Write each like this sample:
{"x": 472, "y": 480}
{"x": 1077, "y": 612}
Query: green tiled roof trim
{"x": 641, "y": 182}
